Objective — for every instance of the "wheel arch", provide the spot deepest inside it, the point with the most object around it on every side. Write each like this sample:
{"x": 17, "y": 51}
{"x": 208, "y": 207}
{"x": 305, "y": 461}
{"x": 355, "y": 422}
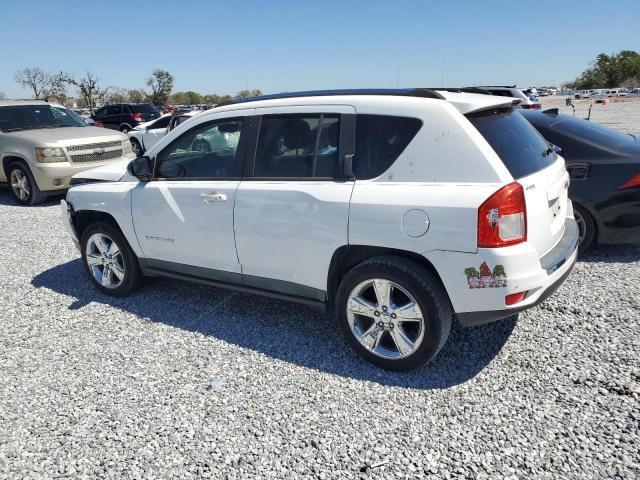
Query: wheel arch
{"x": 9, "y": 159}
{"x": 83, "y": 218}
{"x": 124, "y": 124}
{"x": 348, "y": 256}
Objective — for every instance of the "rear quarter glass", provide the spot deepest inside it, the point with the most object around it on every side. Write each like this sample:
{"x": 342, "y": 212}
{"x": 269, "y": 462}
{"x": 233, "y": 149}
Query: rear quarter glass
{"x": 518, "y": 144}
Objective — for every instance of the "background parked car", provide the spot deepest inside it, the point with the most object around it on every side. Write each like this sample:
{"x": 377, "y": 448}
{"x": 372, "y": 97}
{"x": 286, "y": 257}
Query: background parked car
{"x": 42, "y": 145}
{"x": 527, "y": 102}
{"x": 145, "y": 135}
{"x": 125, "y": 116}
{"x": 604, "y": 167}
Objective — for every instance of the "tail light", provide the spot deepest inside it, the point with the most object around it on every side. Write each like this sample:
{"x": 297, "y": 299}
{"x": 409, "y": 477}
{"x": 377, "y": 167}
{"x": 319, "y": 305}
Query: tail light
{"x": 632, "y": 182}
{"x": 502, "y": 218}
{"x": 136, "y": 116}
{"x": 531, "y": 106}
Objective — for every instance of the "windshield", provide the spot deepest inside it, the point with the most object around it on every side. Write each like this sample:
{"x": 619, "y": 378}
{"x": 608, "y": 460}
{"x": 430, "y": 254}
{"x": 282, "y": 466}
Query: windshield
{"x": 30, "y": 117}
{"x": 522, "y": 149}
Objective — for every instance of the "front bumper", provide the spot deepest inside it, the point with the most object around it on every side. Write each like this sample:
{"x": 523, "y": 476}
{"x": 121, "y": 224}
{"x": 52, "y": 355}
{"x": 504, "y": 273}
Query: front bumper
{"x": 52, "y": 177}
{"x": 67, "y": 221}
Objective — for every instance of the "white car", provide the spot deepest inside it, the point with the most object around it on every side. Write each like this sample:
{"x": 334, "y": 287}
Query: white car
{"x": 401, "y": 209}
{"x": 42, "y": 145}
{"x": 526, "y": 101}
{"x": 147, "y": 134}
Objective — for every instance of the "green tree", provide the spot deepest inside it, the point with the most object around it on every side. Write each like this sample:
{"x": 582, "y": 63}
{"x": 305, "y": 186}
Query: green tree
{"x": 248, "y": 93}
{"x": 136, "y": 96}
{"x": 161, "y": 84}
{"x": 609, "y": 71}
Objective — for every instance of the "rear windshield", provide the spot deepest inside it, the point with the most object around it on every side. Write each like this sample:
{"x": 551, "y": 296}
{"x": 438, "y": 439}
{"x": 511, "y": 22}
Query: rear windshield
{"x": 522, "y": 149}
{"x": 143, "y": 108}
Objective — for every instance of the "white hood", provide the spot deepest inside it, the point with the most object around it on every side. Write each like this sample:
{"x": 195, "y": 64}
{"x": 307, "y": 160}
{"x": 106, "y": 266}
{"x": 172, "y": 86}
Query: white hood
{"x": 111, "y": 172}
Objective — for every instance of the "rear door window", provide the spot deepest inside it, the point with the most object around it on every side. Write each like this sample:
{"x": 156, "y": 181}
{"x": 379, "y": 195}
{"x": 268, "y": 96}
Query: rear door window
{"x": 380, "y": 140}
{"x": 298, "y": 146}
{"x": 522, "y": 149}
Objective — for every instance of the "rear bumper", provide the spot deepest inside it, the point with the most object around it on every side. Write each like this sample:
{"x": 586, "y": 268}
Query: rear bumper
{"x": 478, "y": 283}
{"x": 471, "y": 319}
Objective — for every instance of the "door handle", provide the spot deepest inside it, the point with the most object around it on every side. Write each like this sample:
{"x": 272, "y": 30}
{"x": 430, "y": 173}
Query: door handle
{"x": 213, "y": 197}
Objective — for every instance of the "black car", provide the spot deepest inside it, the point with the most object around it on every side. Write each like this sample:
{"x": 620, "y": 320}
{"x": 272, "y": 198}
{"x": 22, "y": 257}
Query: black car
{"x": 604, "y": 167}
{"x": 125, "y": 116}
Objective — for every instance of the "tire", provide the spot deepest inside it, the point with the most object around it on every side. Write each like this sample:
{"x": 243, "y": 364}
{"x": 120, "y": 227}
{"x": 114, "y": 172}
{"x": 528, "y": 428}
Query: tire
{"x": 125, "y": 128}
{"x": 379, "y": 327}
{"x": 23, "y": 185}
{"x": 586, "y": 227}
{"x": 136, "y": 147}
{"x": 123, "y": 261}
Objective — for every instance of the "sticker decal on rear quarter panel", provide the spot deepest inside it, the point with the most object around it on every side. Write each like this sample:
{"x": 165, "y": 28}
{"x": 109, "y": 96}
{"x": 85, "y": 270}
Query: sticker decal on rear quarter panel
{"x": 486, "y": 278}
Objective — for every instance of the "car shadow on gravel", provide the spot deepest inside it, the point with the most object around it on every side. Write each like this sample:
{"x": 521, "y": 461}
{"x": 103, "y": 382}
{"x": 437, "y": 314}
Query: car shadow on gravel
{"x": 7, "y": 199}
{"x": 611, "y": 254}
{"x": 282, "y": 330}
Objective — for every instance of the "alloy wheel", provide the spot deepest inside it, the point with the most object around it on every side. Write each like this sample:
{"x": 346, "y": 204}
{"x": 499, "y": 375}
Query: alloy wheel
{"x": 385, "y": 318}
{"x": 20, "y": 185}
{"x": 137, "y": 150}
{"x": 105, "y": 261}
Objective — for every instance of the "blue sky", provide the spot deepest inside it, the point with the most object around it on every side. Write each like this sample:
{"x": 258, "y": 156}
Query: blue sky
{"x": 215, "y": 47}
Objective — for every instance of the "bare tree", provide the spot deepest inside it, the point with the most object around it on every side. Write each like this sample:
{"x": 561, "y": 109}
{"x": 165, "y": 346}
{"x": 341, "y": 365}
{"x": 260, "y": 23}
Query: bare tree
{"x": 89, "y": 89}
{"x": 44, "y": 85}
{"x": 161, "y": 84}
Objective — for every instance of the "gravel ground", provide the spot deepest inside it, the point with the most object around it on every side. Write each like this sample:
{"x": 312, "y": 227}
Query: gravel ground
{"x": 185, "y": 381}
{"x": 622, "y": 113}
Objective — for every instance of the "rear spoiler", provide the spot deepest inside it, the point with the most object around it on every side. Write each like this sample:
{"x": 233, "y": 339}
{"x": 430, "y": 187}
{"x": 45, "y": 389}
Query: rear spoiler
{"x": 471, "y": 102}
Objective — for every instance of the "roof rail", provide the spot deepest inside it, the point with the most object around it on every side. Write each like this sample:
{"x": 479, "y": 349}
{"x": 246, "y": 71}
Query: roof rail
{"x": 497, "y": 86}
{"x": 399, "y": 92}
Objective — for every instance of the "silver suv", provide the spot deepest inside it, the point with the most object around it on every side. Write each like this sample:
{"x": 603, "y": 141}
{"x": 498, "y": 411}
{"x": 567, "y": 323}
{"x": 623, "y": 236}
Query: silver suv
{"x": 42, "y": 145}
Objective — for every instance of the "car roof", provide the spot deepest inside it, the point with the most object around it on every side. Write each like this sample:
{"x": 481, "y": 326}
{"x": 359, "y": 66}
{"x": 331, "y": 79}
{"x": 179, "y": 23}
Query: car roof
{"x": 464, "y": 101}
{"x": 11, "y": 103}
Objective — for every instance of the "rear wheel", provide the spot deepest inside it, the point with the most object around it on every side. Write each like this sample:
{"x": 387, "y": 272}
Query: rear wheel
{"x": 125, "y": 129}
{"x": 109, "y": 261}
{"x": 393, "y": 312}
{"x": 586, "y": 227}
{"x": 23, "y": 186}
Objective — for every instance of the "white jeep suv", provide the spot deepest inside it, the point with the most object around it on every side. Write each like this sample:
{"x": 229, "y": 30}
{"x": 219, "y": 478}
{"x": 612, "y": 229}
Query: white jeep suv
{"x": 399, "y": 208}
{"x": 42, "y": 145}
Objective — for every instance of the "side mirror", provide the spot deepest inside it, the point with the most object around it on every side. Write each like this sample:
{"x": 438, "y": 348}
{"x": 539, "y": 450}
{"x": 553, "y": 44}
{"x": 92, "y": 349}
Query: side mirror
{"x": 141, "y": 168}
{"x": 90, "y": 121}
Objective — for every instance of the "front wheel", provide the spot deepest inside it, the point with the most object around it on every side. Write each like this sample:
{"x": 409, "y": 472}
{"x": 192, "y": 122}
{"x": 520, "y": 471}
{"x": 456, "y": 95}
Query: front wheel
{"x": 136, "y": 148}
{"x": 109, "y": 261}
{"x": 23, "y": 186}
{"x": 393, "y": 312}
